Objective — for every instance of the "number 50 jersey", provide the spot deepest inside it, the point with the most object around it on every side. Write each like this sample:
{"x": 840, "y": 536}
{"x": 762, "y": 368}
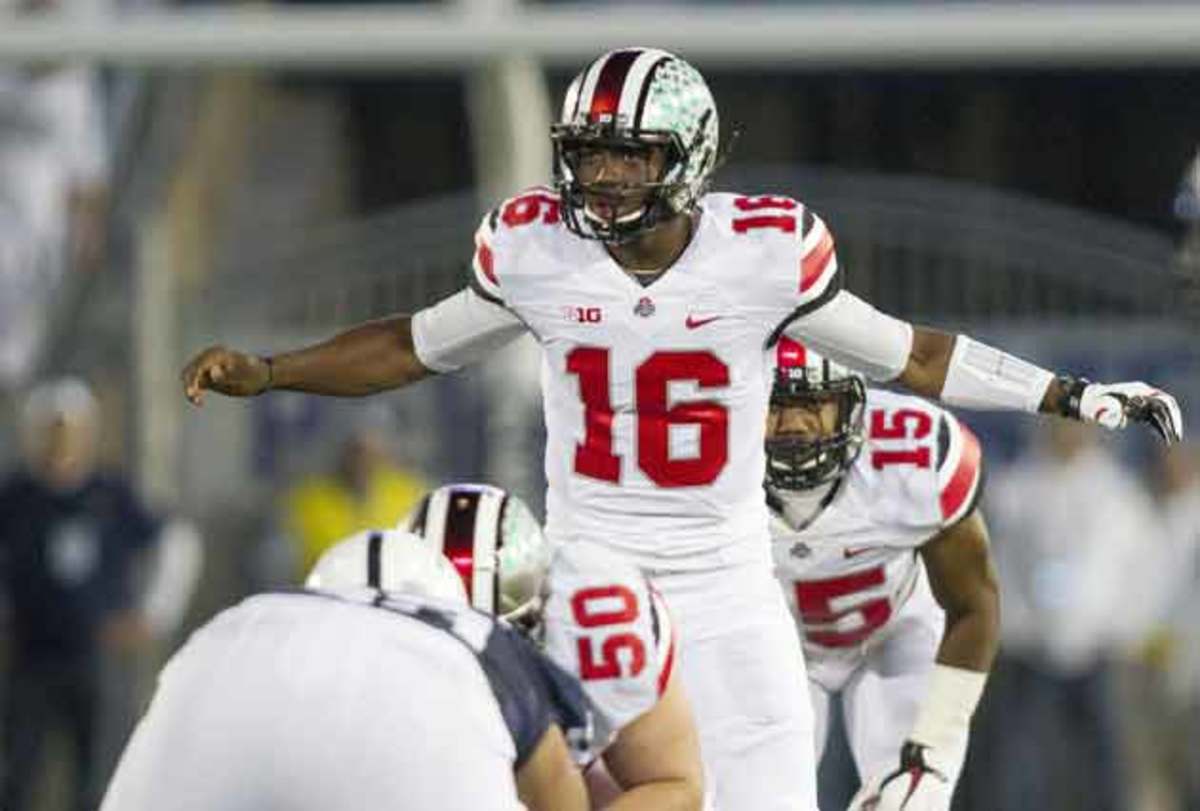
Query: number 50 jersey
{"x": 655, "y": 396}
{"x": 852, "y": 567}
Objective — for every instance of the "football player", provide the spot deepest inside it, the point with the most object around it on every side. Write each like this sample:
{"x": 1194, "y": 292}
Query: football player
{"x": 653, "y": 301}
{"x": 598, "y": 619}
{"x": 396, "y": 695}
{"x": 884, "y": 559}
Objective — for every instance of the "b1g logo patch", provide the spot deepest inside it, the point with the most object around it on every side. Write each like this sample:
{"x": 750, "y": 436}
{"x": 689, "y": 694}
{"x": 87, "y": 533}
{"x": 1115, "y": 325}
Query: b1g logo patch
{"x": 583, "y": 315}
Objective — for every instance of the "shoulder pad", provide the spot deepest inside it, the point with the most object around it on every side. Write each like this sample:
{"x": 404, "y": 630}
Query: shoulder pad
{"x": 802, "y": 266}
{"x": 922, "y": 466}
{"x": 526, "y": 213}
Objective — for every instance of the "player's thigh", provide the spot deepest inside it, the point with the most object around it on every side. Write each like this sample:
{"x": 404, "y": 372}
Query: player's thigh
{"x": 745, "y": 678}
{"x": 750, "y": 698}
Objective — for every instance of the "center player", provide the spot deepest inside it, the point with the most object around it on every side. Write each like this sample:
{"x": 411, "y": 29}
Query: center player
{"x": 388, "y": 693}
{"x": 653, "y": 301}
{"x": 884, "y": 559}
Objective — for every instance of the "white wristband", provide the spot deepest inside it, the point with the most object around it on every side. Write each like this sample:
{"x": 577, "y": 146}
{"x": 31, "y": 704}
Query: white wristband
{"x": 944, "y": 720}
{"x": 983, "y": 377}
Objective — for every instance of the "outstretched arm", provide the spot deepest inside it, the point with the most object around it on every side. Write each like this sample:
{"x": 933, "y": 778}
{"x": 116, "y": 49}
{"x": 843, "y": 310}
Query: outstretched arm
{"x": 961, "y": 371}
{"x": 369, "y": 358}
{"x": 372, "y": 357}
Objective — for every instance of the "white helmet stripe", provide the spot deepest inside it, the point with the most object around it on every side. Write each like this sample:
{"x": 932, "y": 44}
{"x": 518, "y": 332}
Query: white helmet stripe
{"x": 587, "y": 89}
{"x": 571, "y": 100}
{"x": 485, "y": 543}
{"x": 635, "y": 79}
{"x": 636, "y": 83}
{"x": 434, "y": 523}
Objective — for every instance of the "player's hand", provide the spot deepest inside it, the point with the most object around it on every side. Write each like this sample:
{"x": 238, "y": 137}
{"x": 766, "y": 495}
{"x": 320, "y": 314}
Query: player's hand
{"x": 225, "y": 371}
{"x": 1114, "y": 405}
{"x": 916, "y": 785}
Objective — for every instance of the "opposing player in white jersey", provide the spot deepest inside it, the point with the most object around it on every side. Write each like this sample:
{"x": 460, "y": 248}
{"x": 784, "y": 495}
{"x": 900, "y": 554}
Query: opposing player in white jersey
{"x": 599, "y": 619}
{"x": 884, "y": 559}
{"x": 653, "y": 301}
{"x": 366, "y": 697}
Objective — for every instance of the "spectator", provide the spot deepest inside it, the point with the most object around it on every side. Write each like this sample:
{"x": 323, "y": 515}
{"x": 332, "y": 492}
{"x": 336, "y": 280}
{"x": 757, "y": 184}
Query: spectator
{"x": 53, "y": 188}
{"x": 70, "y": 538}
{"x": 1187, "y": 257}
{"x": 1072, "y": 529}
{"x": 366, "y": 489}
{"x": 1179, "y": 479}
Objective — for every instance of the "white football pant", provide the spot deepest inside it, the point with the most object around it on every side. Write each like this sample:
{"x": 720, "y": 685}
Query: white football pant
{"x": 741, "y": 663}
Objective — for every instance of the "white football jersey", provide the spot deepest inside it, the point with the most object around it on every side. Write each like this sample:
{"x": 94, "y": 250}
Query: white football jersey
{"x": 655, "y": 397}
{"x": 607, "y": 626}
{"x": 849, "y": 570}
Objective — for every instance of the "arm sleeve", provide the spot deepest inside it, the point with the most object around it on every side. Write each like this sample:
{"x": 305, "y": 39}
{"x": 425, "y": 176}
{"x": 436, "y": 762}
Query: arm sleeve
{"x": 461, "y": 329}
{"x": 855, "y": 334}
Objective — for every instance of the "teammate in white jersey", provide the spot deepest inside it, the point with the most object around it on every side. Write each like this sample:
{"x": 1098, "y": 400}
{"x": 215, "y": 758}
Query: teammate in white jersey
{"x": 357, "y": 698}
{"x": 653, "y": 301}
{"x": 598, "y": 619}
{"x": 884, "y": 559}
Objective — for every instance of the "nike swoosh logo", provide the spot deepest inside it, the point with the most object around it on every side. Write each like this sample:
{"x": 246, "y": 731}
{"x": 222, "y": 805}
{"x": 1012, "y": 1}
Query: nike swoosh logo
{"x": 693, "y": 323}
{"x": 853, "y": 553}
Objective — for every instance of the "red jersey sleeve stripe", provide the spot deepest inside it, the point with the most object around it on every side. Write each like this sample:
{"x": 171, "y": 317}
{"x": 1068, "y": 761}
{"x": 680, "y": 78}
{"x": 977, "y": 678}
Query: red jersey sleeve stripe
{"x": 958, "y": 491}
{"x": 816, "y": 262}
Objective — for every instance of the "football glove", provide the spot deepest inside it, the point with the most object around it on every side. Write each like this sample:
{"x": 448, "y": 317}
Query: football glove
{"x": 916, "y": 785}
{"x": 1115, "y": 405}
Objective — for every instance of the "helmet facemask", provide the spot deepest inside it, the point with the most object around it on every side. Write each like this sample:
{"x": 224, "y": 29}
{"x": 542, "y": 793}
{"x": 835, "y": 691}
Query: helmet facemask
{"x": 663, "y": 197}
{"x": 805, "y": 460}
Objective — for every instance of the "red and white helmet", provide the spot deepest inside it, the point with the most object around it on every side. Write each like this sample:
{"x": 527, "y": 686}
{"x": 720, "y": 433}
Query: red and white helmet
{"x": 806, "y": 379}
{"x": 493, "y": 541}
{"x": 637, "y": 97}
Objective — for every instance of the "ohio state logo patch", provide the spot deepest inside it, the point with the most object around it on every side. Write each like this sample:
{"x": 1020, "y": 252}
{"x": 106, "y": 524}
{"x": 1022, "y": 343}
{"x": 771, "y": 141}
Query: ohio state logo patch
{"x": 644, "y": 307}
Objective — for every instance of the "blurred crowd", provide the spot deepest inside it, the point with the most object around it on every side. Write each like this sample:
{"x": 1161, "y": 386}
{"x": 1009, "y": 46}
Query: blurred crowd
{"x": 1093, "y": 701}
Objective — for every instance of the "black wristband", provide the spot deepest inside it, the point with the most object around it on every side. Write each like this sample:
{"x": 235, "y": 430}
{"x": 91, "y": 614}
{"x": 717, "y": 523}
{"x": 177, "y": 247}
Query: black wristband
{"x": 1068, "y": 404}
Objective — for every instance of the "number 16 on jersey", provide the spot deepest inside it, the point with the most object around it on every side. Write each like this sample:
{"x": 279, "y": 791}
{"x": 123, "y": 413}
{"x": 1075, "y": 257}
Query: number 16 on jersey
{"x": 594, "y": 457}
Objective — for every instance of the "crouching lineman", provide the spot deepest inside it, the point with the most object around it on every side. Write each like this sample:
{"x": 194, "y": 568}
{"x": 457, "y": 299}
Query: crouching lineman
{"x": 599, "y": 619}
{"x": 334, "y": 698}
{"x": 865, "y": 486}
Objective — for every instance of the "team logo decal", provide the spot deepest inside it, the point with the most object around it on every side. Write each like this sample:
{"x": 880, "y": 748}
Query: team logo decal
{"x": 644, "y": 307}
{"x": 800, "y": 550}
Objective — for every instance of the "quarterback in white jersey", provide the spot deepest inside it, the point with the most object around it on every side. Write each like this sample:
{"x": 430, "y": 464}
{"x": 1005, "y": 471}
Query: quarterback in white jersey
{"x": 873, "y": 500}
{"x": 359, "y": 697}
{"x": 654, "y": 301}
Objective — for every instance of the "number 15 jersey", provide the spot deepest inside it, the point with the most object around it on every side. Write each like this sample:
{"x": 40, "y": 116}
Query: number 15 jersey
{"x": 655, "y": 396}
